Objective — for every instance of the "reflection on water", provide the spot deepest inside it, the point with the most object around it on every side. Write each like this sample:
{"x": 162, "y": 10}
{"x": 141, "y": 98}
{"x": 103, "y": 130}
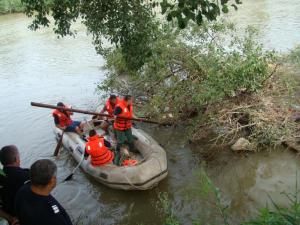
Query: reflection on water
{"x": 36, "y": 66}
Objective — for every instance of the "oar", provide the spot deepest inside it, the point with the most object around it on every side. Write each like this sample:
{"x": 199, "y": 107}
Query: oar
{"x": 93, "y": 113}
{"x": 71, "y": 174}
{"x": 59, "y": 144}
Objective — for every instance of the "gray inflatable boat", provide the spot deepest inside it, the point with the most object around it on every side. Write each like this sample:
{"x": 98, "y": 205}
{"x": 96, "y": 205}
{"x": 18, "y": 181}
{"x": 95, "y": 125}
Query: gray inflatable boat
{"x": 150, "y": 170}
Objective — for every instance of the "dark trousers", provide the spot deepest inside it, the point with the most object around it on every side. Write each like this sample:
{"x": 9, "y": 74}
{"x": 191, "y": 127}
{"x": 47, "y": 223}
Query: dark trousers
{"x": 123, "y": 137}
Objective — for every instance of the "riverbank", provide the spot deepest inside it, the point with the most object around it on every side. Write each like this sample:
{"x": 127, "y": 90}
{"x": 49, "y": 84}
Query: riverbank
{"x": 11, "y": 6}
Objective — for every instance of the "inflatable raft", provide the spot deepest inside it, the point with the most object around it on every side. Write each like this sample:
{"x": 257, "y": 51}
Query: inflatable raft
{"x": 150, "y": 170}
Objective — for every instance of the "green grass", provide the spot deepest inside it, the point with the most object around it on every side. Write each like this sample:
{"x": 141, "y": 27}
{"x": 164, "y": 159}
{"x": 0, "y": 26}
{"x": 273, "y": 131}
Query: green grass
{"x": 279, "y": 215}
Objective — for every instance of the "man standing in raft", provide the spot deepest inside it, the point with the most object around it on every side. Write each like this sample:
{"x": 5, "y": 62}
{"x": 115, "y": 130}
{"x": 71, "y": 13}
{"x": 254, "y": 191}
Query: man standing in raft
{"x": 122, "y": 127}
{"x": 97, "y": 148}
{"x": 62, "y": 120}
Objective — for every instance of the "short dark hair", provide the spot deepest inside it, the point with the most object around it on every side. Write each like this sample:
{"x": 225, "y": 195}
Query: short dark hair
{"x": 127, "y": 97}
{"x": 111, "y": 97}
{"x": 8, "y": 154}
{"x": 60, "y": 104}
{"x": 42, "y": 171}
{"x": 92, "y": 133}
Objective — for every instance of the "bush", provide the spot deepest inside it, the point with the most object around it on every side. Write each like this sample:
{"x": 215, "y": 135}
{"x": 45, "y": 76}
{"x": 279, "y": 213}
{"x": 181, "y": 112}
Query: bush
{"x": 192, "y": 69}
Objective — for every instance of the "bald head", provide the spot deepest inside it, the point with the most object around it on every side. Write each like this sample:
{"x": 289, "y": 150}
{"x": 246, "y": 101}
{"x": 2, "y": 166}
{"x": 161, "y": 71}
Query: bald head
{"x": 9, "y": 155}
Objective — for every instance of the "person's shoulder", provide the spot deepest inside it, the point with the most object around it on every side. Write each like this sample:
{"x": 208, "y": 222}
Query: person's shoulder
{"x": 22, "y": 174}
{"x": 23, "y": 193}
{"x": 24, "y": 171}
{"x": 24, "y": 189}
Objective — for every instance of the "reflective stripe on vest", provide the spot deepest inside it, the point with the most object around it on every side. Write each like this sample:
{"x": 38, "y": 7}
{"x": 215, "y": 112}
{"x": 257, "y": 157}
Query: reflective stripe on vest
{"x": 100, "y": 154}
{"x": 121, "y": 124}
{"x": 64, "y": 120}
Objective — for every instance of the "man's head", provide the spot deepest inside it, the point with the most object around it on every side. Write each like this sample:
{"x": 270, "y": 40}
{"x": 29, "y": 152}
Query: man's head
{"x": 60, "y": 104}
{"x": 43, "y": 174}
{"x": 9, "y": 156}
{"x": 92, "y": 133}
{"x": 128, "y": 99}
{"x": 113, "y": 99}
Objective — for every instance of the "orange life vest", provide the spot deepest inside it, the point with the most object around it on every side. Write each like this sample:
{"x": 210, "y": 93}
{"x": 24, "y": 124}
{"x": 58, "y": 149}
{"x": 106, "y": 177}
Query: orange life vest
{"x": 123, "y": 124}
{"x": 100, "y": 154}
{"x": 64, "y": 118}
{"x": 129, "y": 162}
{"x": 109, "y": 108}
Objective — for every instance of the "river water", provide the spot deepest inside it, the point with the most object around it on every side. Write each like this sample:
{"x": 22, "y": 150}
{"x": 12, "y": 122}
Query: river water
{"x": 36, "y": 66}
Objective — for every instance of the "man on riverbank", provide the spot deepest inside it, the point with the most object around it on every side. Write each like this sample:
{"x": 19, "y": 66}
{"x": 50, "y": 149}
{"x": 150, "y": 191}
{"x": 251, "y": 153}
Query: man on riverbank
{"x": 34, "y": 204}
{"x": 12, "y": 180}
{"x": 122, "y": 127}
{"x": 62, "y": 120}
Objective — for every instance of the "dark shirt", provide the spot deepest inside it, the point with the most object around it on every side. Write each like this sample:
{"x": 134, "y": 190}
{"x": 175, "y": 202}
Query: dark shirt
{"x": 56, "y": 119}
{"x": 14, "y": 179}
{"x": 33, "y": 209}
{"x": 118, "y": 110}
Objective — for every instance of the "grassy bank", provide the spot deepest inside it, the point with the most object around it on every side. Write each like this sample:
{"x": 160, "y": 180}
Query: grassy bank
{"x": 10, "y": 6}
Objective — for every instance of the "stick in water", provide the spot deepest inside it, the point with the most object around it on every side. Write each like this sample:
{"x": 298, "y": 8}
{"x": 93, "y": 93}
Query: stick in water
{"x": 59, "y": 144}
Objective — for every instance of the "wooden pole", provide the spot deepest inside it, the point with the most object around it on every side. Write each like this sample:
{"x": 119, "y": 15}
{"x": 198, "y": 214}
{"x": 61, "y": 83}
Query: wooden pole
{"x": 41, "y": 105}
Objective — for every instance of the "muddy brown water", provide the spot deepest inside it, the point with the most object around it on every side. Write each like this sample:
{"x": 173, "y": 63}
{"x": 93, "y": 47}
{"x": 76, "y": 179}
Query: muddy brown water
{"x": 36, "y": 66}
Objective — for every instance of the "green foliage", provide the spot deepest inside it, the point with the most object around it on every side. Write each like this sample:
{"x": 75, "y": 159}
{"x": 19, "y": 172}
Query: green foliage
{"x": 10, "y": 6}
{"x": 185, "y": 10}
{"x": 193, "y": 68}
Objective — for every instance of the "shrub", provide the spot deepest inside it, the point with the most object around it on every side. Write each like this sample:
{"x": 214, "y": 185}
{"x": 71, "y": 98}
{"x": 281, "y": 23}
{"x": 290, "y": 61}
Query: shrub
{"x": 192, "y": 69}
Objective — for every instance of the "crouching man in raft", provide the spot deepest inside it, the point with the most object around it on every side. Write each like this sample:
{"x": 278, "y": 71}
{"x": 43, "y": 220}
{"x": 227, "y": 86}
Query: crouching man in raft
{"x": 62, "y": 120}
{"x": 98, "y": 148}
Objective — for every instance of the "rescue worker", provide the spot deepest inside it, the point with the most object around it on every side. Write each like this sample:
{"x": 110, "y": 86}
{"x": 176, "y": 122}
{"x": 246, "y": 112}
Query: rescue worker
{"x": 98, "y": 148}
{"x": 62, "y": 120}
{"x": 109, "y": 107}
{"x": 122, "y": 127}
